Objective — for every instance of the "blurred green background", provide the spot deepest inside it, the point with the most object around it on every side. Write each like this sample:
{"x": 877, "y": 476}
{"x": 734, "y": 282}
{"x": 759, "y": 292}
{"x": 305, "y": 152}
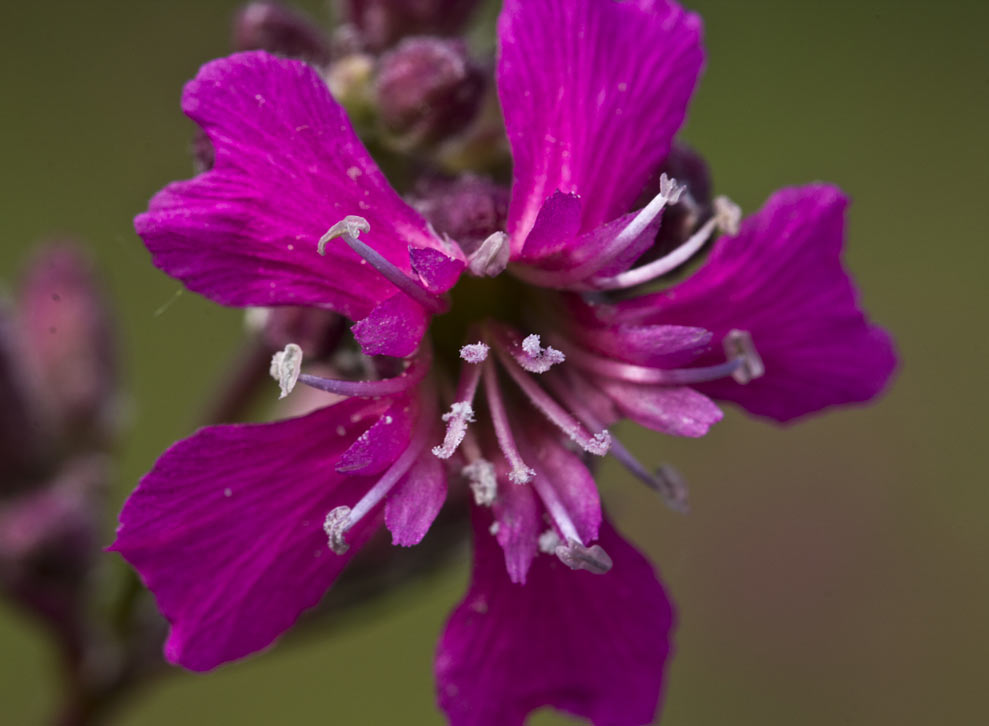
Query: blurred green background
{"x": 830, "y": 573}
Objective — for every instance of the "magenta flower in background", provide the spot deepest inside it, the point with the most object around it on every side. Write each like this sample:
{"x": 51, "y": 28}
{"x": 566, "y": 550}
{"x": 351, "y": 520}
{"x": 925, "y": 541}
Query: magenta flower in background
{"x": 240, "y": 528}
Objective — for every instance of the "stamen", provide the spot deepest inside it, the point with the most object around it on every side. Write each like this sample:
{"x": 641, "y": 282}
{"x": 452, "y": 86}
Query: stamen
{"x": 461, "y": 412}
{"x": 728, "y": 215}
{"x": 286, "y": 365}
{"x": 578, "y": 557}
{"x": 739, "y": 347}
{"x": 348, "y": 229}
{"x": 582, "y": 276}
{"x": 520, "y": 473}
{"x": 340, "y": 519}
{"x": 667, "y": 481}
{"x": 537, "y": 359}
{"x": 574, "y": 554}
{"x": 474, "y": 352}
{"x": 596, "y": 444}
{"x": 483, "y": 482}
{"x": 491, "y": 258}
{"x": 410, "y": 377}
{"x": 335, "y": 525}
{"x": 726, "y": 218}
{"x": 744, "y": 365}
{"x": 669, "y": 193}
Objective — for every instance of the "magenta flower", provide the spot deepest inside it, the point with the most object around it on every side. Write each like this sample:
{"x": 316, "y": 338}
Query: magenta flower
{"x": 240, "y": 528}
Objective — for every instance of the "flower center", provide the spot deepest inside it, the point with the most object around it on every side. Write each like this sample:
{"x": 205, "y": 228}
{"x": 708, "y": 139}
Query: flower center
{"x": 474, "y": 300}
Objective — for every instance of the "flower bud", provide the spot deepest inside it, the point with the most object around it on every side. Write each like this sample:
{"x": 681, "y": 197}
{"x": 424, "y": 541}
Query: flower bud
{"x": 350, "y": 78}
{"x": 468, "y": 209}
{"x": 428, "y": 89}
{"x": 21, "y": 428}
{"x": 271, "y": 26}
{"x": 68, "y": 345}
{"x": 679, "y": 220}
{"x": 382, "y": 23}
{"x": 49, "y": 542}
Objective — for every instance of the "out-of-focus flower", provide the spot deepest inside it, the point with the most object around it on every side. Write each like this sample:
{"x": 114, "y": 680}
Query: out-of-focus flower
{"x": 550, "y": 316}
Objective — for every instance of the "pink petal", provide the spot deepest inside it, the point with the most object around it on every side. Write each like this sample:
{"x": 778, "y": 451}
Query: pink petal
{"x": 556, "y": 226}
{"x": 781, "y": 279}
{"x": 592, "y": 92}
{"x": 678, "y": 411}
{"x": 288, "y": 167}
{"x": 591, "y": 645}
{"x": 516, "y": 512}
{"x": 394, "y": 327}
{"x": 416, "y": 500}
{"x": 227, "y": 529}
{"x": 375, "y": 449}
{"x": 437, "y": 270}
{"x": 659, "y": 346}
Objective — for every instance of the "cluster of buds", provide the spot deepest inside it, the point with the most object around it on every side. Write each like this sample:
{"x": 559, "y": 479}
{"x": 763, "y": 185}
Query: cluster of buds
{"x": 392, "y": 64}
{"x": 59, "y": 416}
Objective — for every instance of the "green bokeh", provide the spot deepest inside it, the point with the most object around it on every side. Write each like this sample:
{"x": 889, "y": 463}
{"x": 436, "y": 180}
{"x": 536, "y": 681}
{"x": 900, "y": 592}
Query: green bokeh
{"x": 830, "y": 573}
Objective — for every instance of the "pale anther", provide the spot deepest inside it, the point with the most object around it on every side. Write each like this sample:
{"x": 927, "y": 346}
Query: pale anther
{"x": 549, "y": 541}
{"x": 350, "y": 226}
{"x": 336, "y": 525}
{"x": 474, "y": 352}
{"x": 256, "y": 319}
{"x": 537, "y": 359}
{"x": 739, "y": 347}
{"x": 727, "y": 215}
{"x": 480, "y": 475}
{"x": 521, "y": 474}
{"x": 578, "y": 557}
{"x": 285, "y": 368}
{"x": 670, "y": 189}
{"x": 491, "y": 258}
{"x": 598, "y": 444}
{"x": 672, "y": 487}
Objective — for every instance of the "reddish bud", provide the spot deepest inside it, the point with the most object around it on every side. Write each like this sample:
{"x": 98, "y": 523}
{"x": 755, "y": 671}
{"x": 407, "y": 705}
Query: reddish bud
{"x": 468, "y": 209}
{"x": 49, "y": 542}
{"x": 428, "y": 89}
{"x": 21, "y": 434}
{"x": 273, "y": 27}
{"x": 382, "y": 23}
{"x": 67, "y": 343}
